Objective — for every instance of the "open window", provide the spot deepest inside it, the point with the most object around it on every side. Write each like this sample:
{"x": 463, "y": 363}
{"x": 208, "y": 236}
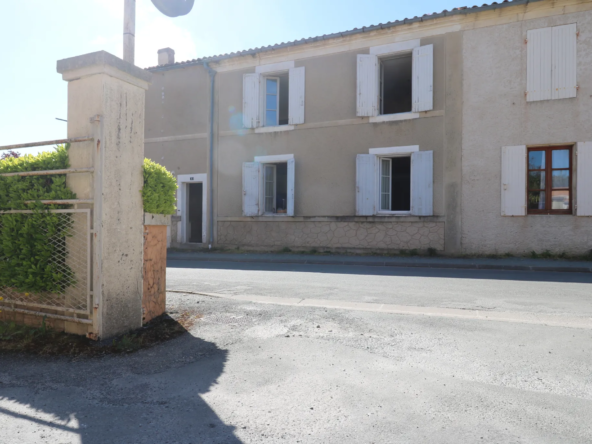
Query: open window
{"x": 394, "y": 83}
{"x": 394, "y": 181}
{"x": 273, "y": 98}
{"x": 268, "y": 186}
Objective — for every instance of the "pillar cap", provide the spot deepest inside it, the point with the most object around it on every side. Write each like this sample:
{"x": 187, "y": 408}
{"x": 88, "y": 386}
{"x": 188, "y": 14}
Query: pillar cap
{"x": 101, "y": 62}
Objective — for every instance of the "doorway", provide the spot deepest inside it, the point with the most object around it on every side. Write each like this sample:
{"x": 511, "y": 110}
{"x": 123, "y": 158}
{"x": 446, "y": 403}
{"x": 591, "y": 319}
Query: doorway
{"x": 195, "y": 213}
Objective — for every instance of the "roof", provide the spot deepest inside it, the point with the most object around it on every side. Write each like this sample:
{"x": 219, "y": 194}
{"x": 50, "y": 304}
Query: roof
{"x": 463, "y": 10}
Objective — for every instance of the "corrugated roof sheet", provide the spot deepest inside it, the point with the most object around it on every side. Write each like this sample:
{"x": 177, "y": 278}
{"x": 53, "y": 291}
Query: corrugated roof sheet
{"x": 425, "y": 17}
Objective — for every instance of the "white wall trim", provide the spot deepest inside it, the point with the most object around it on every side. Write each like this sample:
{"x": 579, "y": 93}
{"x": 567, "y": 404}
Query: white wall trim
{"x": 274, "y": 67}
{"x": 394, "y": 150}
{"x": 274, "y": 159}
{"x": 394, "y": 117}
{"x": 176, "y": 138}
{"x": 274, "y": 129}
{"x": 182, "y": 181}
{"x": 393, "y": 48}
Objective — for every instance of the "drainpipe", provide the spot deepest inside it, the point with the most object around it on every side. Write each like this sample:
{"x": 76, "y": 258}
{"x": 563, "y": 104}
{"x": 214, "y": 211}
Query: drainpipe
{"x": 211, "y": 137}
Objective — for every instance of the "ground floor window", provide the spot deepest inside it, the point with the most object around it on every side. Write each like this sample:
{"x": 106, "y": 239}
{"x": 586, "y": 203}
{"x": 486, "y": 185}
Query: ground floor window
{"x": 549, "y": 185}
{"x": 276, "y": 187}
{"x": 395, "y": 184}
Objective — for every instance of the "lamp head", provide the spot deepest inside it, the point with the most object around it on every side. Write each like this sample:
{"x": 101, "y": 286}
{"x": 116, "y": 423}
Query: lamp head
{"x": 174, "y": 8}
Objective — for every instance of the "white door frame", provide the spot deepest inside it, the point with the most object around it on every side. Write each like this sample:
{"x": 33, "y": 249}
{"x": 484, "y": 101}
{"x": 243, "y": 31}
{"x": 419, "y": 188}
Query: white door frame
{"x": 182, "y": 181}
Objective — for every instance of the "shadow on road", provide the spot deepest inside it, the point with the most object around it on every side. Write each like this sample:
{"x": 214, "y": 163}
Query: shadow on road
{"x": 452, "y": 273}
{"x": 152, "y": 396}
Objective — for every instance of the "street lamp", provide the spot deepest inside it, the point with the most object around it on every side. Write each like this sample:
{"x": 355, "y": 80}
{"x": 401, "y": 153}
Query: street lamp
{"x": 171, "y": 8}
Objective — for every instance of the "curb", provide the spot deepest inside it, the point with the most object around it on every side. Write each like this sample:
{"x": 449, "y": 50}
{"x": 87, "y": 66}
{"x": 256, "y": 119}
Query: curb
{"x": 391, "y": 264}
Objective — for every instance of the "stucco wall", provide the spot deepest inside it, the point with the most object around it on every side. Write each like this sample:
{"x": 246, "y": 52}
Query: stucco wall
{"x": 376, "y": 235}
{"x": 496, "y": 114}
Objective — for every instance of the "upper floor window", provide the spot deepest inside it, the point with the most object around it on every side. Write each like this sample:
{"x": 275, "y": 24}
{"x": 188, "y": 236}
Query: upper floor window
{"x": 551, "y": 63}
{"x": 273, "y": 96}
{"x": 396, "y": 79}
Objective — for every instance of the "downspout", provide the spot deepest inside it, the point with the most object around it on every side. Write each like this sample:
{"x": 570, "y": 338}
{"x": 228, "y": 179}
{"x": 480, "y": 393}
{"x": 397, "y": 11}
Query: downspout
{"x": 211, "y": 137}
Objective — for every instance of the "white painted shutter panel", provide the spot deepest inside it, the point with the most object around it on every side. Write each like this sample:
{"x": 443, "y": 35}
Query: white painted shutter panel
{"x": 422, "y": 183}
{"x": 422, "y": 85}
{"x": 368, "y": 84}
{"x": 251, "y": 173}
{"x": 366, "y": 195}
{"x": 564, "y": 62}
{"x": 539, "y": 64}
{"x": 291, "y": 186}
{"x": 251, "y": 100}
{"x": 514, "y": 180}
{"x": 584, "y": 184}
{"x": 296, "y": 101}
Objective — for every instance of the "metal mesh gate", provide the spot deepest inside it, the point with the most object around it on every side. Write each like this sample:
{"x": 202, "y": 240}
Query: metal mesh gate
{"x": 62, "y": 265}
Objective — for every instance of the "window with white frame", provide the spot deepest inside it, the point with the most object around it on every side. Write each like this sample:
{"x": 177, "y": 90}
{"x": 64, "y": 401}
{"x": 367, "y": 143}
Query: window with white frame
{"x": 395, "y": 79}
{"x": 268, "y": 186}
{"x": 273, "y": 96}
{"x": 396, "y": 181}
{"x": 551, "y": 63}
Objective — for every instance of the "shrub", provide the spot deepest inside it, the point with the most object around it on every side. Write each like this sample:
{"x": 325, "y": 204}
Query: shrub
{"x": 159, "y": 189}
{"x": 33, "y": 260}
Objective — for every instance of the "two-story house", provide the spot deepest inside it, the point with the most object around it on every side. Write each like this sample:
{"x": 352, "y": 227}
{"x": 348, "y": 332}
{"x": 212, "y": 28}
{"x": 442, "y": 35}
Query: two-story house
{"x": 467, "y": 131}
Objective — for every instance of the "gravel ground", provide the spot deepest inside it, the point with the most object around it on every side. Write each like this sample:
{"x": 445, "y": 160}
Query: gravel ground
{"x": 254, "y": 373}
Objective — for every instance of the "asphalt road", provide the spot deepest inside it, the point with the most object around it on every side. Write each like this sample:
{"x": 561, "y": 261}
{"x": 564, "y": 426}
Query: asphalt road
{"x": 269, "y": 373}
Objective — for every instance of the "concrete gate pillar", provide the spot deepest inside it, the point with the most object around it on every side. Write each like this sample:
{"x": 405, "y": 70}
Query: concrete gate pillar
{"x": 106, "y": 100}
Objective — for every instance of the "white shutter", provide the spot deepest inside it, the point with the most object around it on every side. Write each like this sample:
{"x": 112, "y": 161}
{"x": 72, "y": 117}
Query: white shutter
{"x": 296, "y": 101}
{"x": 564, "y": 62}
{"x": 251, "y": 173}
{"x": 539, "y": 64}
{"x": 366, "y": 195}
{"x": 368, "y": 74}
{"x": 422, "y": 84}
{"x": 251, "y": 100}
{"x": 514, "y": 180}
{"x": 422, "y": 183}
{"x": 291, "y": 183}
{"x": 584, "y": 183}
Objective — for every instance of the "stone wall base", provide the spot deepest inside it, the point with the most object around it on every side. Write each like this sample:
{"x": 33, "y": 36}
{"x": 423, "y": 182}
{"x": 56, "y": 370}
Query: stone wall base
{"x": 32, "y": 320}
{"x": 373, "y": 235}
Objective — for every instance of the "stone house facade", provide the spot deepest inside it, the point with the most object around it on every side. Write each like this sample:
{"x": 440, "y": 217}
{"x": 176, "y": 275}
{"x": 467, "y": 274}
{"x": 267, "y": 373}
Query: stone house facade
{"x": 464, "y": 131}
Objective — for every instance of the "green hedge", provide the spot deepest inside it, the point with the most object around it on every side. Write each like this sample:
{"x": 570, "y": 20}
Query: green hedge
{"x": 31, "y": 245}
{"x": 159, "y": 191}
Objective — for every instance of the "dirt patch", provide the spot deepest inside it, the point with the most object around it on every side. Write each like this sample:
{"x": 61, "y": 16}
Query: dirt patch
{"x": 44, "y": 342}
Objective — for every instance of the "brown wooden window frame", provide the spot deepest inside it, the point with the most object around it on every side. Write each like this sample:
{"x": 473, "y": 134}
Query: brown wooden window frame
{"x": 548, "y": 170}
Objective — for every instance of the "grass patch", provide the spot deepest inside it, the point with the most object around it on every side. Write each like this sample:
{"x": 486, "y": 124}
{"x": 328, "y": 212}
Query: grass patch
{"x": 16, "y": 338}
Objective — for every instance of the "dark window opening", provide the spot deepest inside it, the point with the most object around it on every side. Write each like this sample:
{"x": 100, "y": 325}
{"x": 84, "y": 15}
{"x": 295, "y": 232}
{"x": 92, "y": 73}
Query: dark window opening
{"x": 276, "y": 187}
{"x": 395, "y": 84}
{"x": 195, "y": 212}
{"x": 549, "y": 180}
{"x": 284, "y": 98}
{"x": 401, "y": 179}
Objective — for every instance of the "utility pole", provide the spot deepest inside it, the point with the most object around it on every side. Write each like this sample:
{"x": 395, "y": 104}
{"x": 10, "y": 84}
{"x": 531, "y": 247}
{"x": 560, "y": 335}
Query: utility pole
{"x": 129, "y": 31}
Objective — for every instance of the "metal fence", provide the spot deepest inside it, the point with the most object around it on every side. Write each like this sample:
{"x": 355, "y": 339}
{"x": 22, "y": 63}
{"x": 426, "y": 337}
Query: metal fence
{"x": 64, "y": 266}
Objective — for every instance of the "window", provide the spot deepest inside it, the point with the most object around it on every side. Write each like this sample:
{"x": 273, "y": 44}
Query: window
{"x": 276, "y": 188}
{"x": 396, "y": 180}
{"x": 274, "y": 96}
{"x": 395, "y": 184}
{"x": 395, "y": 84}
{"x": 277, "y": 100}
{"x": 549, "y": 180}
{"x": 551, "y": 63}
{"x": 395, "y": 79}
{"x": 268, "y": 186}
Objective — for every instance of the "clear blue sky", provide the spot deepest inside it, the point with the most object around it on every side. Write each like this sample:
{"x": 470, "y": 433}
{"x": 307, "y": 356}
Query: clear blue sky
{"x": 34, "y": 34}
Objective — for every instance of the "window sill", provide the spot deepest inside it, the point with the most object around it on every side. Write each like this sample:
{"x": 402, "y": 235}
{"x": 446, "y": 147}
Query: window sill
{"x": 274, "y": 129}
{"x": 394, "y": 117}
{"x": 394, "y": 213}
